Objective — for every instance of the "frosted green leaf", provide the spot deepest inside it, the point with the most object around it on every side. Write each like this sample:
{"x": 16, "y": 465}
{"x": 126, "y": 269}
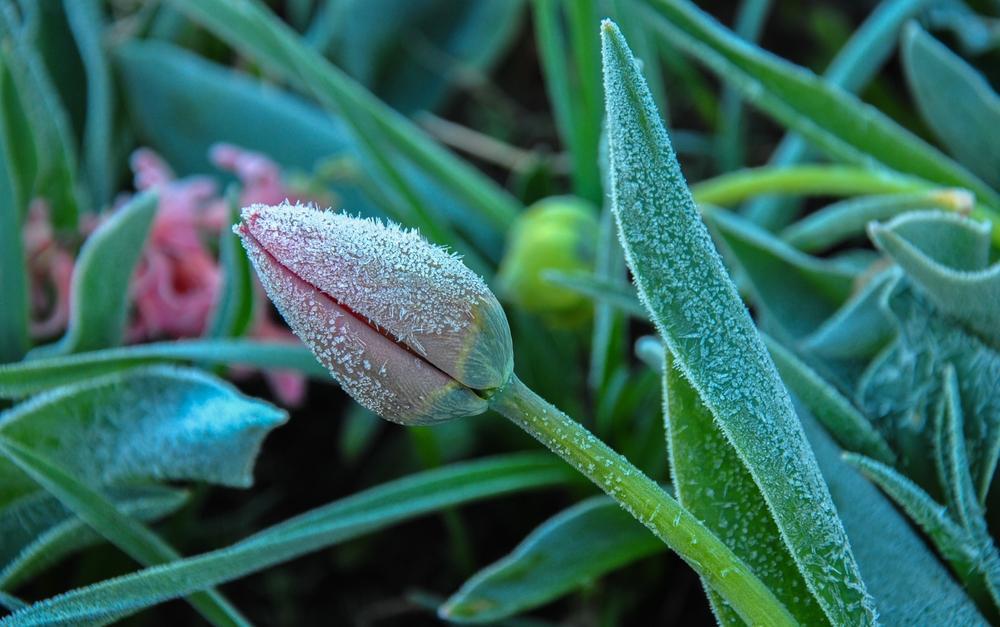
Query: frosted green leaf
{"x": 696, "y": 309}
{"x": 714, "y": 485}
{"x": 955, "y": 100}
{"x": 901, "y": 389}
{"x": 360, "y": 514}
{"x": 946, "y": 256}
{"x": 155, "y": 423}
{"x": 29, "y": 377}
{"x": 549, "y": 562}
{"x": 851, "y": 429}
{"x": 37, "y": 530}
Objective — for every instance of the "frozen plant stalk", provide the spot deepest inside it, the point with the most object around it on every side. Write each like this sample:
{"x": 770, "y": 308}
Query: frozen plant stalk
{"x": 416, "y": 337}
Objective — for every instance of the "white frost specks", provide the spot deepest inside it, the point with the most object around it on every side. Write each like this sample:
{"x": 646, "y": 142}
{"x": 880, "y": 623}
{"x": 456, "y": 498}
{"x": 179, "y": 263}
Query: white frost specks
{"x": 423, "y": 295}
{"x": 404, "y": 388}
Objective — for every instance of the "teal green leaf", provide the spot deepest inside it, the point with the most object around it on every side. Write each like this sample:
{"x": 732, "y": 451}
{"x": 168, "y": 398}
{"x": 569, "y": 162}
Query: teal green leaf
{"x": 901, "y": 389}
{"x": 944, "y": 254}
{"x": 87, "y": 24}
{"x": 909, "y": 584}
{"x": 156, "y": 423}
{"x": 837, "y": 122}
{"x": 412, "y": 53}
{"x": 713, "y": 484}
{"x": 840, "y": 221}
{"x": 125, "y": 532}
{"x": 696, "y": 309}
{"x": 14, "y": 340}
{"x": 234, "y": 308}
{"x": 28, "y": 377}
{"x": 840, "y": 418}
{"x": 859, "y": 329}
{"x": 792, "y": 291}
{"x": 37, "y": 531}
{"x": 955, "y": 100}
{"x": 961, "y": 493}
{"x": 855, "y": 65}
{"x": 160, "y": 82}
{"x": 248, "y": 26}
{"x": 100, "y": 286}
{"x": 567, "y": 551}
{"x": 48, "y": 121}
{"x": 18, "y": 143}
{"x": 360, "y": 514}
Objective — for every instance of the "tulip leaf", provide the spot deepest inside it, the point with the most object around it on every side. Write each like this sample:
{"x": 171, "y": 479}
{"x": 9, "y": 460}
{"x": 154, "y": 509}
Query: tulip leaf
{"x": 834, "y": 120}
{"x": 696, "y": 309}
{"x": 955, "y": 100}
{"x": 714, "y": 485}
{"x": 360, "y": 514}
{"x": 570, "y": 549}
{"x": 37, "y": 530}
{"x": 28, "y": 377}
{"x": 100, "y": 286}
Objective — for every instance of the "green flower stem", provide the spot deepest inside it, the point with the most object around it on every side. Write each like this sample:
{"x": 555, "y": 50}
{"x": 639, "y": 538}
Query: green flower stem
{"x": 821, "y": 180}
{"x": 646, "y": 501}
{"x": 825, "y": 180}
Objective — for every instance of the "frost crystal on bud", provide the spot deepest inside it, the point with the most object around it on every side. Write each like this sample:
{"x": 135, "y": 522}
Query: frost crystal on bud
{"x": 406, "y": 328}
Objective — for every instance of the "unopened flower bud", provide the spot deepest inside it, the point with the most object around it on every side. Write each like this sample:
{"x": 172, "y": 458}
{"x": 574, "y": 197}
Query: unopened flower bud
{"x": 554, "y": 234}
{"x": 404, "y": 326}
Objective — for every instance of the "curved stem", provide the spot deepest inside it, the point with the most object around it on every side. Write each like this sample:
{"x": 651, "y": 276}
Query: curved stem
{"x": 646, "y": 501}
{"x": 826, "y": 180}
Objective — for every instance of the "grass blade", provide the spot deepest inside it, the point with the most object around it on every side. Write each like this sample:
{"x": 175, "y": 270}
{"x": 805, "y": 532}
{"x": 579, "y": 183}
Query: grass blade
{"x": 854, "y": 66}
{"x": 548, "y": 563}
{"x": 363, "y": 513}
{"x": 249, "y": 27}
{"x": 86, "y": 22}
{"x": 834, "y": 120}
{"x": 124, "y": 532}
{"x": 25, "y": 378}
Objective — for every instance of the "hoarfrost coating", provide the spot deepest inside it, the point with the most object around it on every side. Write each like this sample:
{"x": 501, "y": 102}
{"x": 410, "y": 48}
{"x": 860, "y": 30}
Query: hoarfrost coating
{"x": 403, "y": 325}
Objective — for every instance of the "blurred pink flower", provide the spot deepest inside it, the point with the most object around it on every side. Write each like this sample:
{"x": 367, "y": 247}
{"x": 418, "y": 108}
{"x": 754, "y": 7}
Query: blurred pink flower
{"x": 178, "y": 282}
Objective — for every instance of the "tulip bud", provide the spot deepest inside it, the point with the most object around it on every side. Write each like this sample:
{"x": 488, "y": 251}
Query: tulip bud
{"x": 406, "y": 329}
{"x": 558, "y": 233}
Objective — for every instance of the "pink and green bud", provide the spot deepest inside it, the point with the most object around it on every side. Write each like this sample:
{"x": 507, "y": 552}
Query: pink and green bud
{"x": 404, "y": 326}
